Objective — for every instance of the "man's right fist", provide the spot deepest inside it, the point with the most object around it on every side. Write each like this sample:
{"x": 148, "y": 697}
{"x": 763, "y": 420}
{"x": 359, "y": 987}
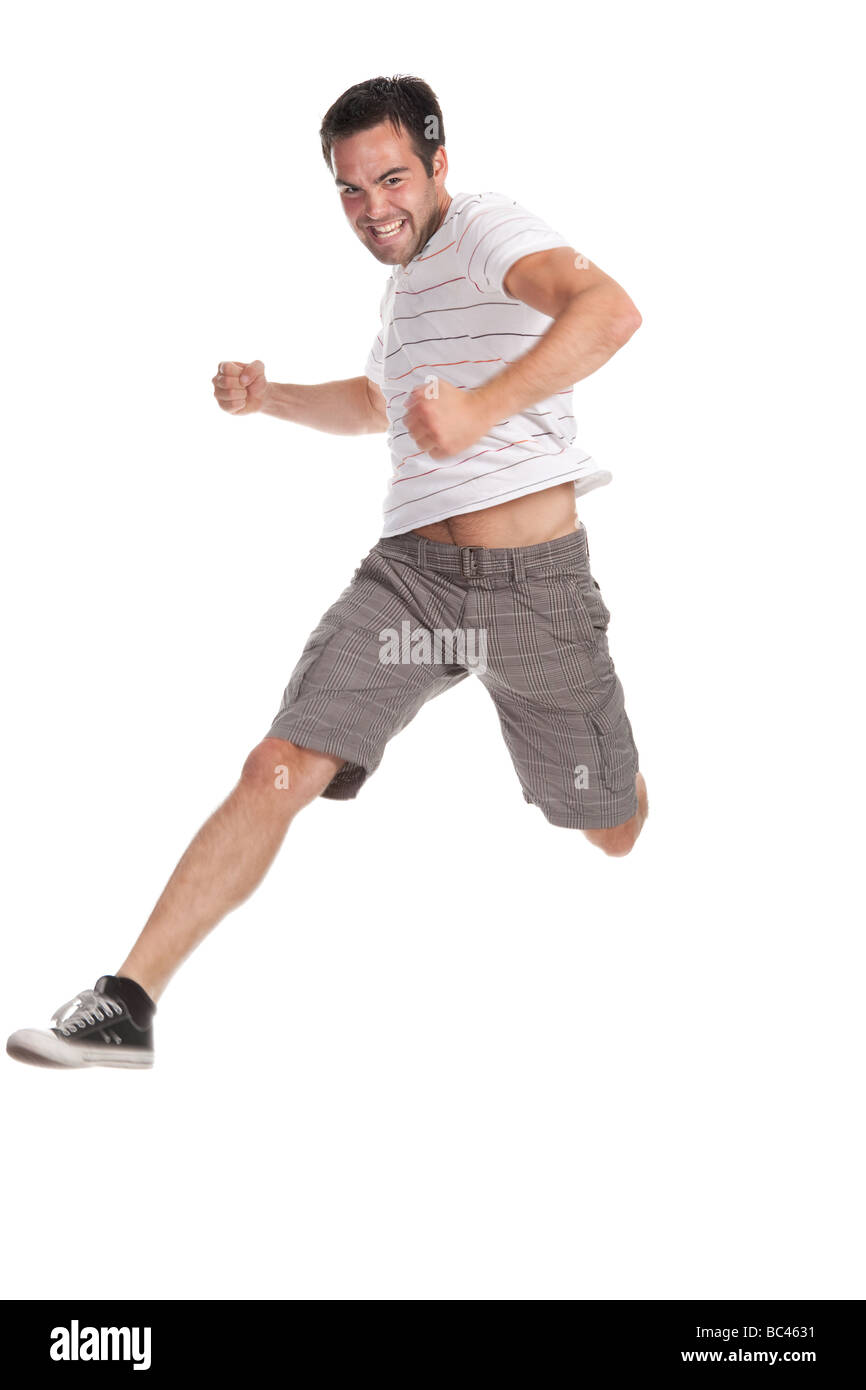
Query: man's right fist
{"x": 240, "y": 387}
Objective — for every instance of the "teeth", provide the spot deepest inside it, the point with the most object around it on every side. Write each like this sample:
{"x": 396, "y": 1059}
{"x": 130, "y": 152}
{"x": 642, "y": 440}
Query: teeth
{"x": 386, "y": 230}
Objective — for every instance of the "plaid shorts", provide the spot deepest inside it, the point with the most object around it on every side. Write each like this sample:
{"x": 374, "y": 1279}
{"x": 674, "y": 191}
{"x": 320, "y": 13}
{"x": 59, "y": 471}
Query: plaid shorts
{"x": 529, "y": 622}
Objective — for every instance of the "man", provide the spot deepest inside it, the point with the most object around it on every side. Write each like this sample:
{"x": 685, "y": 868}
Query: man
{"x": 488, "y": 319}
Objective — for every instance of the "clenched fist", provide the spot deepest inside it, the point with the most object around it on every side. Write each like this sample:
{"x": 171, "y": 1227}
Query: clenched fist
{"x": 240, "y": 387}
{"x": 450, "y": 419}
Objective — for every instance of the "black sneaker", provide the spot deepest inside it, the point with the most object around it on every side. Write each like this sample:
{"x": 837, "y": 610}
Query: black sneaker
{"x": 110, "y": 1025}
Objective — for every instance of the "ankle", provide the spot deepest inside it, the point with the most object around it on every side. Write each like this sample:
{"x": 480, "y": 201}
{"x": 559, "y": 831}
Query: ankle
{"x": 150, "y": 986}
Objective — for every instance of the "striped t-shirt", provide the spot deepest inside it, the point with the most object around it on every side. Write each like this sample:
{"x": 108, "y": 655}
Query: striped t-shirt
{"x": 446, "y": 314}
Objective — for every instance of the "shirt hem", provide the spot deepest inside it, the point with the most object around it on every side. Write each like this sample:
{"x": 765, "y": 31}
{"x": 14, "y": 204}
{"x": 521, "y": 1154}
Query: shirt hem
{"x": 583, "y": 483}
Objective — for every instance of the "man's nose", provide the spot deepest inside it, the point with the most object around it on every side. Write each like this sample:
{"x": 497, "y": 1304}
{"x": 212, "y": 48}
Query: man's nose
{"x": 376, "y": 207}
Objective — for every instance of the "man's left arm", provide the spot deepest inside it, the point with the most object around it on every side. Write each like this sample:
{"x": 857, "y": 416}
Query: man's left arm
{"x": 593, "y": 318}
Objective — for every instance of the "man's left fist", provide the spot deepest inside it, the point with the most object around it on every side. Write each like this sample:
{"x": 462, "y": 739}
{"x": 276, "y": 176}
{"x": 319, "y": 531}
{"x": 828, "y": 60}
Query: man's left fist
{"x": 446, "y": 420}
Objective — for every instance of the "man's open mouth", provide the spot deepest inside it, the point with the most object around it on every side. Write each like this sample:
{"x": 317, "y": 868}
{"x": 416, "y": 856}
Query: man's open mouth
{"x": 386, "y": 230}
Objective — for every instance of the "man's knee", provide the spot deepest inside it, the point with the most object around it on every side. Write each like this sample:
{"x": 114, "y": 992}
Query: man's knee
{"x": 302, "y": 773}
{"x": 616, "y": 840}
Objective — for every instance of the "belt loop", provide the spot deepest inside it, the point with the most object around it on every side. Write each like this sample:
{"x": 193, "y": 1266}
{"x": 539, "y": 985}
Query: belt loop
{"x": 422, "y": 551}
{"x": 518, "y": 563}
{"x": 467, "y": 558}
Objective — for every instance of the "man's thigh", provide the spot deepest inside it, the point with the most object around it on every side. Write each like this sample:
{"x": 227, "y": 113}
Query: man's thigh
{"x": 362, "y": 674}
{"x": 560, "y": 702}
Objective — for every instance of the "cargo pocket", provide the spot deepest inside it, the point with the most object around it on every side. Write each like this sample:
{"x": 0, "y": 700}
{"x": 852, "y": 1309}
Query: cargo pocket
{"x": 617, "y": 756}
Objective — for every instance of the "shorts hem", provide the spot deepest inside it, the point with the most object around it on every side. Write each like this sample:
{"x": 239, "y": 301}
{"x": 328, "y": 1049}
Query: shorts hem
{"x": 360, "y": 763}
{"x": 571, "y": 820}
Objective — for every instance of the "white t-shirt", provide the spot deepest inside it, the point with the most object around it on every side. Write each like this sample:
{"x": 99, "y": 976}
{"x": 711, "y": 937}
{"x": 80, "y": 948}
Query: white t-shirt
{"x": 448, "y": 315}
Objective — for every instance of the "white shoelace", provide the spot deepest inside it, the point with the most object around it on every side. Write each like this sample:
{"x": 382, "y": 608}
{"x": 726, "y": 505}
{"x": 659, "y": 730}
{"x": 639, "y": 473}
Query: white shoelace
{"x": 88, "y": 1007}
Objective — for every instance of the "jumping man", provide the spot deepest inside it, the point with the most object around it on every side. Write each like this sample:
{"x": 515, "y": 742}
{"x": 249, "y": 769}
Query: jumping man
{"x": 488, "y": 318}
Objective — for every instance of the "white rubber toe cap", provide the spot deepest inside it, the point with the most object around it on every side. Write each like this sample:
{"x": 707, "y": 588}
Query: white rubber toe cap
{"x": 43, "y": 1049}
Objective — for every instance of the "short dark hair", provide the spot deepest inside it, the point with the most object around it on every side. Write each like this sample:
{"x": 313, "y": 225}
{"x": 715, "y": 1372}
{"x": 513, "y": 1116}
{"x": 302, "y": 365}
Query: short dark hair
{"x": 406, "y": 102}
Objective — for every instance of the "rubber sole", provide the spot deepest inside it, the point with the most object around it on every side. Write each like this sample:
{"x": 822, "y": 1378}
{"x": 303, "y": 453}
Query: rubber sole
{"x": 41, "y": 1049}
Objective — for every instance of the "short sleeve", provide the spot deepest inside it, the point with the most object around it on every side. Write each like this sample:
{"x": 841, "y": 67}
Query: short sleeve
{"x": 497, "y": 234}
{"x": 374, "y": 368}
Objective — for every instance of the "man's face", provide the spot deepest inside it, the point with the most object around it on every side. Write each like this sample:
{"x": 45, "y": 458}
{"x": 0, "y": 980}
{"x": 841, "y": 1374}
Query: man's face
{"x": 382, "y": 181}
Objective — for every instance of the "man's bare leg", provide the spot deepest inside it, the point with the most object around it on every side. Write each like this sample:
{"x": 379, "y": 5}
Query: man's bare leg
{"x": 228, "y": 858}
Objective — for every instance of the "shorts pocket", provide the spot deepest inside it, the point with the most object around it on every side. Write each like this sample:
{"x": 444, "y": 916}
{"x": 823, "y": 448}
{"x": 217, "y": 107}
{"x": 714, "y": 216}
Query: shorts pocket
{"x": 591, "y": 593}
{"x": 588, "y": 596}
{"x": 617, "y": 757}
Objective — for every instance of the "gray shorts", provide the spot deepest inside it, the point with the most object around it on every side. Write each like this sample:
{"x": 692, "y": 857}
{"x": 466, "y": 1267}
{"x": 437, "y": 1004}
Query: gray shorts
{"x": 529, "y": 622}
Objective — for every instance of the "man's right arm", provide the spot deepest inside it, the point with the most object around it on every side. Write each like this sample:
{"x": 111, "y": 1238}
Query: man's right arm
{"x": 353, "y": 406}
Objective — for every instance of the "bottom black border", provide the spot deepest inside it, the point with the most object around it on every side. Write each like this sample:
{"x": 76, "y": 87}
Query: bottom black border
{"x": 808, "y": 1337}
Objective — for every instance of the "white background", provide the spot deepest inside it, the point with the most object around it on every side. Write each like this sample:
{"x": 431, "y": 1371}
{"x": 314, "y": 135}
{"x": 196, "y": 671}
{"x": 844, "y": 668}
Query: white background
{"x": 447, "y": 1050}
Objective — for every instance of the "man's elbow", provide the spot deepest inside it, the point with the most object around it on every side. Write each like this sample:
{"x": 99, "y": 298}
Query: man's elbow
{"x": 377, "y": 416}
{"x": 628, "y": 321}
